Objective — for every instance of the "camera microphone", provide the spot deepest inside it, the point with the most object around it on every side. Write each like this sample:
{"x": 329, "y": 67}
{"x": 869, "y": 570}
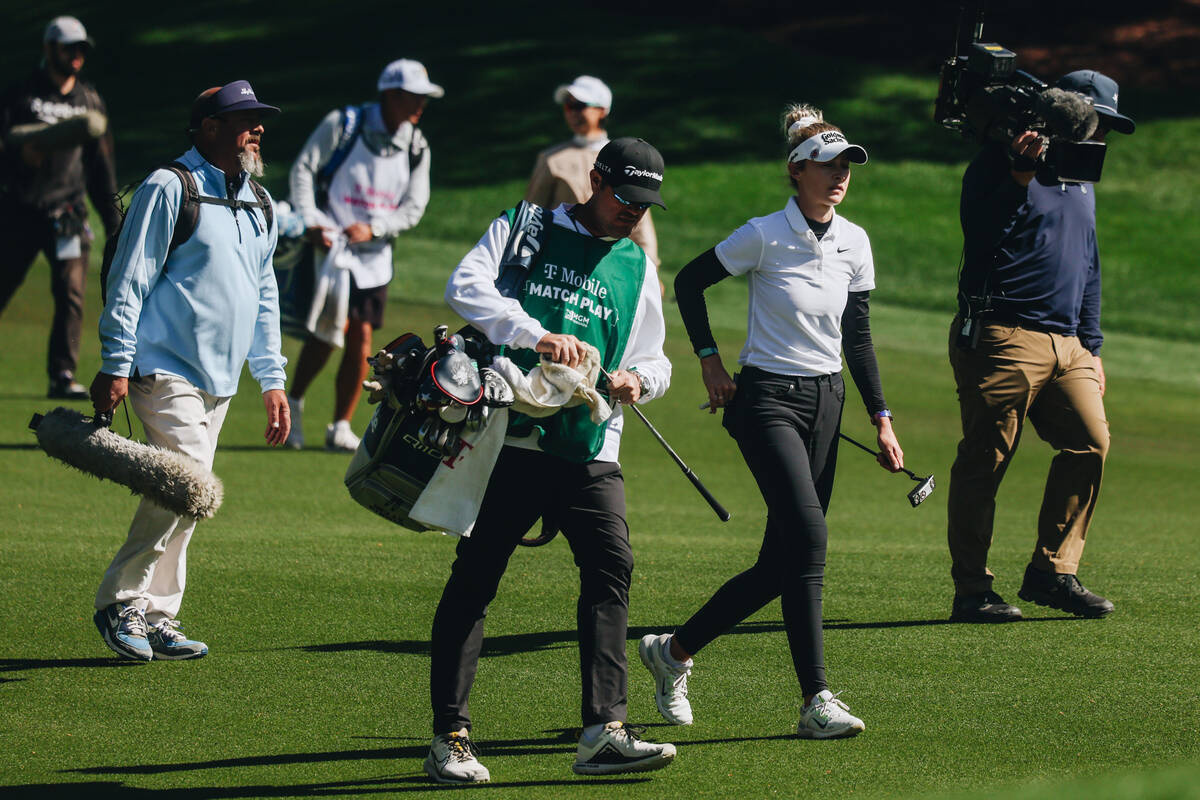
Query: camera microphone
{"x": 1068, "y": 114}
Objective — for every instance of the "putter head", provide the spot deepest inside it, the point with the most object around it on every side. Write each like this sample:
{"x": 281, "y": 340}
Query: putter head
{"x": 923, "y": 490}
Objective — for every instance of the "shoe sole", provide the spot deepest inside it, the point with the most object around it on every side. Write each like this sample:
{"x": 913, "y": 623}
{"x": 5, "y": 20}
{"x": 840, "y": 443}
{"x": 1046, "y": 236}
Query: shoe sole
{"x": 809, "y": 733}
{"x": 432, "y": 771}
{"x": 115, "y": 645}
{"x": 648, "y": 764}
{"x": 1042, "y": 599}
{"x": 166, "y": 655}
{"x": 648, "y": 663}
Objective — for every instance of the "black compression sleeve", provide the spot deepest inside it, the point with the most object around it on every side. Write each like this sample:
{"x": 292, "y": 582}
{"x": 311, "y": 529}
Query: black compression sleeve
{"x": 860, "y": 351}
{"x": 697, "y": 275}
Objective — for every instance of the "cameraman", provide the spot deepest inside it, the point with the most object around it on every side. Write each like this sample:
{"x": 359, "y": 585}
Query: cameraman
{"x": 1030, "y": 284}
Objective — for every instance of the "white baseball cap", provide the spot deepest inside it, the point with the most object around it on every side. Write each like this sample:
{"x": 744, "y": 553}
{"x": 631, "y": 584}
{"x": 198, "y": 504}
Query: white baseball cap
{"x": 66, "y": 30}
{"x": 826, "y": 146}
{"x": 410, "y": 76}
{"x": 585, "y": 89}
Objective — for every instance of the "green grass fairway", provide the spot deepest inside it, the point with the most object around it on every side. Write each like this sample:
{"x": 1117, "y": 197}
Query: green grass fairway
{"x": 318, "y": 613}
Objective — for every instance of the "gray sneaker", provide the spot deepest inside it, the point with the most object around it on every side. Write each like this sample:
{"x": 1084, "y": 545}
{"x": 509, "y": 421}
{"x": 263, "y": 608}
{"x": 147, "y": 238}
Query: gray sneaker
{"x": 123, "y": 628}
{"x": 168, "y": 642}
{"x": 619, "y": 749}
{"x": 453, "y": 758}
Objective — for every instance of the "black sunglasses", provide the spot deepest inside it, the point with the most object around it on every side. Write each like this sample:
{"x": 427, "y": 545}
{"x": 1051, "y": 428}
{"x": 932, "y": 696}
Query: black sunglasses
{"x": 574, "y": 105}
{"x": 624, "y": 202}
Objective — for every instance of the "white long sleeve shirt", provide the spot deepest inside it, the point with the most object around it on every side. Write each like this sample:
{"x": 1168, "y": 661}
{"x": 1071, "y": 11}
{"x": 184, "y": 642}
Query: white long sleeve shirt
{"x": 471, "y": 292}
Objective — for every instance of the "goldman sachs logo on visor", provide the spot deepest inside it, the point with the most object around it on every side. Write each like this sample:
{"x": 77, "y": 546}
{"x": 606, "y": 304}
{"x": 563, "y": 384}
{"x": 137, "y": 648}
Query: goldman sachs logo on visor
{"x": 638, "y": 172}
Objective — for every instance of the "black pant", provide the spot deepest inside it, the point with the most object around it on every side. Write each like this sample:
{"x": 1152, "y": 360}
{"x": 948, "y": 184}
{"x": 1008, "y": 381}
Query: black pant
{"x": 588, "y": 503}
{"x": 25, "y": 232}
{"x": 787, "y": 430}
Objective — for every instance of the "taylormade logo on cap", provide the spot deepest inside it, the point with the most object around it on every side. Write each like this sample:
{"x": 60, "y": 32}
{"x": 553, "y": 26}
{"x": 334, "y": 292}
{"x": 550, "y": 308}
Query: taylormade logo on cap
{"x": 635, "y": 172}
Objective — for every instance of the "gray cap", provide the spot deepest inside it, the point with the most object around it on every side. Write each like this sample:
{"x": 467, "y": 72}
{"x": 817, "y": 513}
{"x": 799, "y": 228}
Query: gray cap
{"x": 67, "y": 30}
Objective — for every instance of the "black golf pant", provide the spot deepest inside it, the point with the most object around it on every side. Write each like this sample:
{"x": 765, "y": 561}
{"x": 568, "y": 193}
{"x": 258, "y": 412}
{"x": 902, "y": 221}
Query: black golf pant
{"x": 588, "y": 503}
{"x": 25, "y": 233}
{"x": 787, "y": 430}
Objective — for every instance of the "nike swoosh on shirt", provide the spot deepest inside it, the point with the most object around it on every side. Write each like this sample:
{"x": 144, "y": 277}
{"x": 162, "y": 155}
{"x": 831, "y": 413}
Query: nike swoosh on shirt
{"x": 843, "y": 249}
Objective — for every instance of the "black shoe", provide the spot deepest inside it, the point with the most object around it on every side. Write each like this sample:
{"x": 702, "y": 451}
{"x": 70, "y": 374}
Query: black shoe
{"x": 983, "y": 607}
{"x": 64, "y": 387}
{"x": 1063, "y": 592}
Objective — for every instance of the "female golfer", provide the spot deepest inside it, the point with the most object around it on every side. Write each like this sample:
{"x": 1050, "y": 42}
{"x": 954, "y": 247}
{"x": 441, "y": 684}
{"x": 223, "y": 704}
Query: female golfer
{"x": 810, "y": 273}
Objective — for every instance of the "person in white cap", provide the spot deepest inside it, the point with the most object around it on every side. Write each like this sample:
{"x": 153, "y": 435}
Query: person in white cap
{"x": 44, "y": 179}
{"x": 560, "y": 174}
{"x": 361, "y": 179}
{"x": 810, "y": 272}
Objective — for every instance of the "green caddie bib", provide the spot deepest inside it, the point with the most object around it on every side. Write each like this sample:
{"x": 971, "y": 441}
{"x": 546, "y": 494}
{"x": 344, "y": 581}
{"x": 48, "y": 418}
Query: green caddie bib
{"x": 589, "y": 288}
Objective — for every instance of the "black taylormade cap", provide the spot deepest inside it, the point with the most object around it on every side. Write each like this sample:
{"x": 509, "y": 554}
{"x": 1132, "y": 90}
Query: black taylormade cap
{"x": 236, "y": 96}
{"x": 634, "y": 168}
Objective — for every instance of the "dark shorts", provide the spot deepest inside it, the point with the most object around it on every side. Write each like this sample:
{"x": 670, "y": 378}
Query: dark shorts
{"x": 366, "y": 305}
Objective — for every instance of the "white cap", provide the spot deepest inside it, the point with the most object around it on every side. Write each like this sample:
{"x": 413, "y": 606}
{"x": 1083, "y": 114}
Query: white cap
{"x": 826, "y": 146}
{"x": 410, "y": 76}
{"x": 66, "y": 30}
{"x": 585, "y": 89}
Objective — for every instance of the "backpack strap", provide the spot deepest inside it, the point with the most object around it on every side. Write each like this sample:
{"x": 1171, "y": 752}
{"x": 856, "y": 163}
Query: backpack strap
{"x": 189, "y": 206}
{"x": 351, "y": 126}
{"x": 264, "y": 202}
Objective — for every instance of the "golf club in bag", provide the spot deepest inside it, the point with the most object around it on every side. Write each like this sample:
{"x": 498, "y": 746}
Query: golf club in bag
{"x": 924, "y": 485}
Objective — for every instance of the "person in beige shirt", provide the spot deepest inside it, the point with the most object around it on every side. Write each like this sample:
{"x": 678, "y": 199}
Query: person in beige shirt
{"x": 561, "y": 172}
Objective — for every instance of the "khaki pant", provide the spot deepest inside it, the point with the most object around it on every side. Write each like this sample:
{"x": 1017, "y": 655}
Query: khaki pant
{"x": 150, "y": 569}
{"x": 1016, "y": 373}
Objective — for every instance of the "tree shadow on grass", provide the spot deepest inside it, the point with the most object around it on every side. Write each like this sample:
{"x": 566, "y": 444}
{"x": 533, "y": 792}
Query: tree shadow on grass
{"x": 21, "y": 664}
{"x": 382, "y": 785}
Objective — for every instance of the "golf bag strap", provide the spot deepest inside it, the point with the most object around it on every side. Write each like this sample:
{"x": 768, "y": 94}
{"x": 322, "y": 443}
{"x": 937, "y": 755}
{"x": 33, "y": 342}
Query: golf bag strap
{"x": 525, "y": 237}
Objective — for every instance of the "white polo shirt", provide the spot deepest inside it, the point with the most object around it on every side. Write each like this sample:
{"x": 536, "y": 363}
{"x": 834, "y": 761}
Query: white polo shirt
{"x": 798, "y": 288}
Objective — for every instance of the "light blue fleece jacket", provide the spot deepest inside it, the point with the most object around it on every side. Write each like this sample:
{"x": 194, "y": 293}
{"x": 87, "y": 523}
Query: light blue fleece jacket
{"x": 208, "y": 308}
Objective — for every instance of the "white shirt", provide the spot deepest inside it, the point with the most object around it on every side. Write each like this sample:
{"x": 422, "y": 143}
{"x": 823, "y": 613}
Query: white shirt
{"x": 471, "y": 293}
{"x": 798, "y": 288}
{"x": 373, "y": 185}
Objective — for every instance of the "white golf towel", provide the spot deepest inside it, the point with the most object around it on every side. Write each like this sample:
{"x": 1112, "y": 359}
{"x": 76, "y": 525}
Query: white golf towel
{"x": 450, "y": 501}
{"x": 331, "y": 295}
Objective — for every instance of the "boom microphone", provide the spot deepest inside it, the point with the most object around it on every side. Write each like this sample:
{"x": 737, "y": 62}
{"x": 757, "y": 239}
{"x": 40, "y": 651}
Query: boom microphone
{"x": 1068, "y": 114}
{"x": 172, "y": 480}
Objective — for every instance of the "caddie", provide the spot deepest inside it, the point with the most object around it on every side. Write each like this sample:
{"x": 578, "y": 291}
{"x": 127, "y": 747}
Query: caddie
{"x": 361, "y": 180}
{"x": 588, "y": 284}
{"x": 180, "y": 320}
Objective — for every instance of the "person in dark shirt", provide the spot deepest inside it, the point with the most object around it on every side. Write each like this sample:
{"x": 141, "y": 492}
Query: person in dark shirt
{"x": 54, "y": 148}
{"x": 1026, "y": 344}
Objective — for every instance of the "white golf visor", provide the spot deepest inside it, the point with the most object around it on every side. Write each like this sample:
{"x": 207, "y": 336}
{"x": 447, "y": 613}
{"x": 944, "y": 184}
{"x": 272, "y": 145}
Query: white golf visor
{"x": 826, "y": 146}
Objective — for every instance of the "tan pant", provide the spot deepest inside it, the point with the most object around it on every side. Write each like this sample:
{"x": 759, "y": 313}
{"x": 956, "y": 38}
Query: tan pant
{"x": 1013, "y": 374}
{"x": 150, "y": 569}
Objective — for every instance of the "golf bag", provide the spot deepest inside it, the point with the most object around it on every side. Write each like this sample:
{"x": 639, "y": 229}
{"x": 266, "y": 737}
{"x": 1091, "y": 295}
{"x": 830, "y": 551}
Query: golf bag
{"x": 429, "y": 398}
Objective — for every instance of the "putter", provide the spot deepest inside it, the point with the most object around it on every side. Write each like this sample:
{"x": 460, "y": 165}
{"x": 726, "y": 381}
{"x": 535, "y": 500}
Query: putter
{"x": 924, "y": 485}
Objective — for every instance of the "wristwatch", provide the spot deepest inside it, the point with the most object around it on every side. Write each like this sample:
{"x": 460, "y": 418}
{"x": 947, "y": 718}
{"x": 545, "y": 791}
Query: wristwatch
{"x": 643, "y": 384}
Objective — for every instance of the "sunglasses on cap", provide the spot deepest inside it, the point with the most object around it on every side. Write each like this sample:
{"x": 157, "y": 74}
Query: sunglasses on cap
{"x": 624, "y": 202}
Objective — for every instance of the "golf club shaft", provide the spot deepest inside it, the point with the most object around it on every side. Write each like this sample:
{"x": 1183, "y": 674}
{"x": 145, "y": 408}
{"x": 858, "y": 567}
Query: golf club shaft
{"x": 721, "y": 513}
{"x": 862, "y": 446}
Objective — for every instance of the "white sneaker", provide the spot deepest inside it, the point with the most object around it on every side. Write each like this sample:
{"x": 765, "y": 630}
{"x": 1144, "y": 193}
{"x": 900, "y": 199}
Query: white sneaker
{"x": 618, "y": 749}
{"x": 453, "y": 758}
{"x": 339, "y": 438}
{"x": 295, "y": 438}
{"x": 826, "y": 717}
{"x": 670, "y": 682}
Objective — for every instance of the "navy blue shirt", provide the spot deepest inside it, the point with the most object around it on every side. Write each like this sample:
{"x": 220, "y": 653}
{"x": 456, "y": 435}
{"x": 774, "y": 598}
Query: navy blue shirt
{"x": 1034, "y": 247}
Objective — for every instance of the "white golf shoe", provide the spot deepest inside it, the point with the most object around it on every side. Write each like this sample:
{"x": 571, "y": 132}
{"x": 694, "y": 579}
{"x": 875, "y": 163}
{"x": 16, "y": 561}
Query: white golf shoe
{"x": 670, "y": 681}
{"x": 453, "y": 758}
{"x": 826, "y": 717}
{"x": 619, "y": 749}
{"x": 339, "y": 438}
